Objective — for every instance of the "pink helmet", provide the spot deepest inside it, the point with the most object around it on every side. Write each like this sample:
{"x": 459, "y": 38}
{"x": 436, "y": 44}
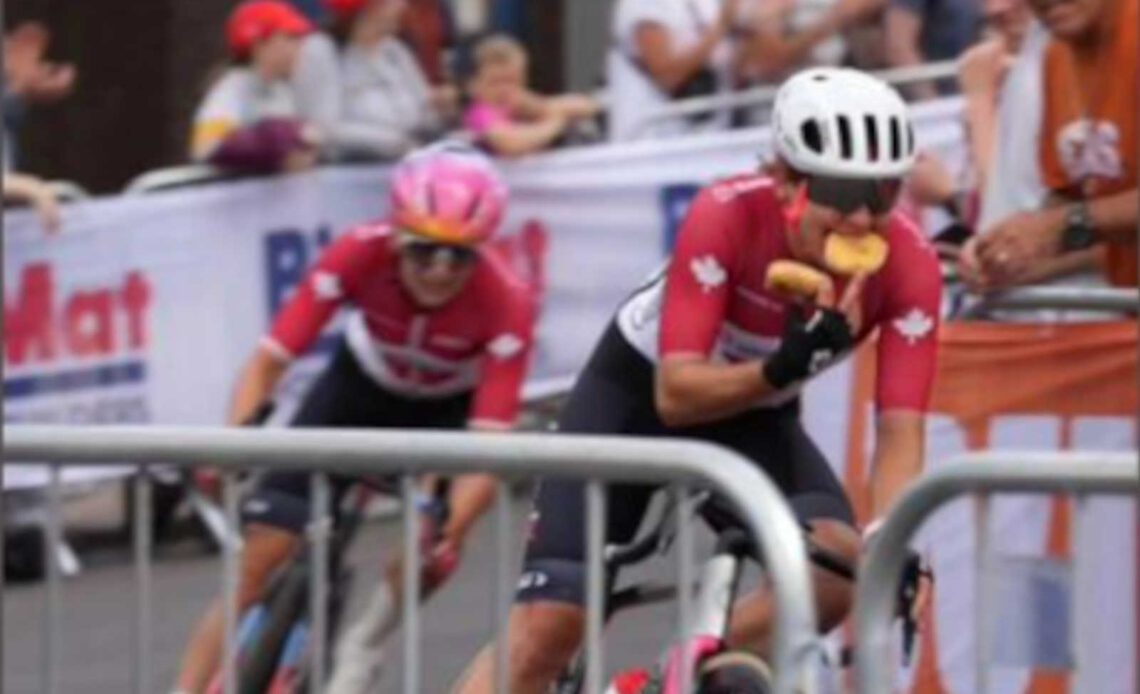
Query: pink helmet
{"x": 448, "y": 192}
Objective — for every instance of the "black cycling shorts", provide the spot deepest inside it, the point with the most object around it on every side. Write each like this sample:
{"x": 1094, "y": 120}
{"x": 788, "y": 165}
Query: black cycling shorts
{"x": 614, "y": 395}
{"x": 344, "y": 396}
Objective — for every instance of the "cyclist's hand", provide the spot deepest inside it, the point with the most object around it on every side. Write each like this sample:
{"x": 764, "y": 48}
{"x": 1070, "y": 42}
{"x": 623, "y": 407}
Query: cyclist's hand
{"x": 850, "y": 304}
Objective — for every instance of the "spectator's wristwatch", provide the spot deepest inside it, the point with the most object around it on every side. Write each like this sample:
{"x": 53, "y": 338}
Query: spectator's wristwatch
{"x": 1079, "y": 232}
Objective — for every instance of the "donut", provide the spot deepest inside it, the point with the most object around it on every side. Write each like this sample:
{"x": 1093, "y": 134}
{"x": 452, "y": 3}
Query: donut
{"x": 850, "y": 255}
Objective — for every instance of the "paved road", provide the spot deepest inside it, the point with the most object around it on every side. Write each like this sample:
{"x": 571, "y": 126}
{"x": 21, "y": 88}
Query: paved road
{"x": 96, "y": 650}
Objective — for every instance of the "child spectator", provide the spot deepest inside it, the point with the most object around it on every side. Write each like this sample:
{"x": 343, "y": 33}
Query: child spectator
{"x": 248, "y": 120}
{"x": 507, "y": 118}
{"x": 363, "y": 87}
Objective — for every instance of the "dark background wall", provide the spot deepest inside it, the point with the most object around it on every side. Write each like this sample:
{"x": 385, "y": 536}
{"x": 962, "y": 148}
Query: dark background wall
{"x": 141, "y": 65}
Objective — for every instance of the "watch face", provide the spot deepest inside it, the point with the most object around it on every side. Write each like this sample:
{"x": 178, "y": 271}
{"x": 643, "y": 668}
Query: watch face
{"x": 1078, "y": 232}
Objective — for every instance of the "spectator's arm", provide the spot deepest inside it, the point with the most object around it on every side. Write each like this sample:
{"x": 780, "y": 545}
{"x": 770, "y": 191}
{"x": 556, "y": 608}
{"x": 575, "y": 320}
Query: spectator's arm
{"x": 981, "y": 71}
{"x": 1116, "y": 216}
{"x": 36, "y": 193}
{"x": 517, "y": 139}
{"x": 904, "y": 34}
{"x": 770, "y": 51}
{"x": 670, "y": 68}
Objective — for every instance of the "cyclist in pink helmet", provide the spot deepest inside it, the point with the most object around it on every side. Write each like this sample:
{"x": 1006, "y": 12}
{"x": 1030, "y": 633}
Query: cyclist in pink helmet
{"x": 438, "y": 337}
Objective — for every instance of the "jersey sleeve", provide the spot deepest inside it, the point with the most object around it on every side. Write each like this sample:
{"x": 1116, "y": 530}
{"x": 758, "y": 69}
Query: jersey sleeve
{"x": 908, "y": 329}
{"x": 334, "y": 279}
{"x": 506, "y": 358}
{"x": 698, "y": 280}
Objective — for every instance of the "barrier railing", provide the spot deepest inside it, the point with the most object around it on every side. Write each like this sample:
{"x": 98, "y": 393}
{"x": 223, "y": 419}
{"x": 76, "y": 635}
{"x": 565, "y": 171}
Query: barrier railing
{"x": 758, "y": 96}
{"x": 1109, "y": 299}
{"x": 410, "y": 453}
{"x": 984, "y": 473}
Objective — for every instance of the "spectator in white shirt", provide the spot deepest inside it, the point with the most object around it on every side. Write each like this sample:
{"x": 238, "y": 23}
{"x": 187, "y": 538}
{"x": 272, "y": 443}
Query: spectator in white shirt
{"x": 662, "y": 50}
{"x": 248, "y": 120}
{"x": 363, "y": 87}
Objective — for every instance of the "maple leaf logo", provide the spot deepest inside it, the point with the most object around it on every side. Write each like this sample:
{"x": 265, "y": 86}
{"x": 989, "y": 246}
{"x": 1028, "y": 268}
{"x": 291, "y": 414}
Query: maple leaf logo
{"x": 505, "y": 346}
{"x": 709, "y": 272}
{"x": 914, "y": 326}
{"x": 326, "y": 286}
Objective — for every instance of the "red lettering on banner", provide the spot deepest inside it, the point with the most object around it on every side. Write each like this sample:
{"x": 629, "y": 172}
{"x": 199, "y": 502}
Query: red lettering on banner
{"x": 87, "y": 324}
{"x": 94, "y": 322}
{"x": 136, "y": 302}
{"x": 28, "y": 333}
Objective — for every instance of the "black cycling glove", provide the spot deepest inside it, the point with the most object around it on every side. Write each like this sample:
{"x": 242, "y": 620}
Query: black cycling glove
{"x": 808, "y": 346}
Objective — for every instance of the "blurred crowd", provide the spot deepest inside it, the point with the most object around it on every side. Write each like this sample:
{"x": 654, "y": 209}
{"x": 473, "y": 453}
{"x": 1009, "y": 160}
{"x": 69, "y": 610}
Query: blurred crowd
{"x": 1049, "y": 86}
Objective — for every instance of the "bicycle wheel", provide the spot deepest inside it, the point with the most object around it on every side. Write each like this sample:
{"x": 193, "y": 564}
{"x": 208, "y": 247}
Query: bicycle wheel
{"x": 734, "y": 672}
{"x": 285, "y": 608}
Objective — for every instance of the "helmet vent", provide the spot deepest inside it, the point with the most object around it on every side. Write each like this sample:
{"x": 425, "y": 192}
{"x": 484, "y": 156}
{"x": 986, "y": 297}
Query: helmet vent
{"x": 812, "y": 136}
{"x": 909, "y": 138}
{"x": 472, "y": 208}
{"x": 430, "y": 198}
{"x": 844, "y": 137}
{"x": 896, "y": 140}
{"x": 872, "y": 137}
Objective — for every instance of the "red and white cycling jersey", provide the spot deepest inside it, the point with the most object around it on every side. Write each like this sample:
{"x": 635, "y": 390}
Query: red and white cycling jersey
{"x": 710, "y": 298}
{"x": 480, "y": 341}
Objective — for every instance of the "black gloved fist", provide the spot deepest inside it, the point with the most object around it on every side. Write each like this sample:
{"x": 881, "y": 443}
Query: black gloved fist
{"x": 808, "y": 346}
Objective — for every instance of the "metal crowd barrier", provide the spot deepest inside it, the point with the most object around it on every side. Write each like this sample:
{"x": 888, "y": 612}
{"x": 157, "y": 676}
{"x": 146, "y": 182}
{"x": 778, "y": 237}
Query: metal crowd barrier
{"x": 1109, "y": 299}
{"x": 983, "y": 473}
{"x": 758, "y": 96}
{"x": 410, "y": 453}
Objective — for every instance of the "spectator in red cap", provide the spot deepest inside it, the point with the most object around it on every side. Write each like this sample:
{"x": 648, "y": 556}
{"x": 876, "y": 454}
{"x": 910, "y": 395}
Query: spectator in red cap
{"x": 249, "y": 120}
{"x": 363, "y": 87}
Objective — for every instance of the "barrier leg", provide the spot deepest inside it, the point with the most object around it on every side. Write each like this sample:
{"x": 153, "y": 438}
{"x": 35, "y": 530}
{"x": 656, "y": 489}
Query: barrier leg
{"x": 595, "y": 539}
{"x": 143, "y": 527}
{"x": 504, "y": 577}
{"x": 684, "y": 573}
{"x": 230, "y": 577}
{"x": 1079, "y": 648}
{"x": 411, "y": 586}
{"x": 983, "y": 585}
{"x": 53, "y": 528}
{"x": 318, "y": 580}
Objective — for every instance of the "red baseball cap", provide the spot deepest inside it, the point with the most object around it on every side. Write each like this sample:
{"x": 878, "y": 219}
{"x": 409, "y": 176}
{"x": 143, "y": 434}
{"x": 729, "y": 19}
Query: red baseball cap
{"x": 345, "y": 9}
{"x": 257, "y": 20}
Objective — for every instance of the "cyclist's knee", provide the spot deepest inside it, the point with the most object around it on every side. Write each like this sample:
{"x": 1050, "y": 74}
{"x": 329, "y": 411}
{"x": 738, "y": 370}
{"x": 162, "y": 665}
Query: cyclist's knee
{"x": 265, "y": 549}
{"x": 545, "y": 636}
{"x": 834, "y": 594}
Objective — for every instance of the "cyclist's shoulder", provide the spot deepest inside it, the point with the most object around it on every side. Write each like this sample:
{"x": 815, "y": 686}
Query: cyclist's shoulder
{"x": 913, "y": 261}
{"x": 740, "y": 206}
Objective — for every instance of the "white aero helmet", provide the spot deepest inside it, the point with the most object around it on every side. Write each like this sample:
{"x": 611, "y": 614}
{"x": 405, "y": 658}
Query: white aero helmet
{"x": 842, "y": 122}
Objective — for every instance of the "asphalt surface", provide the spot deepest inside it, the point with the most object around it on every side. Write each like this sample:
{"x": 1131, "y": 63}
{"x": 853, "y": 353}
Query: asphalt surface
{"x": 97, "y": 642}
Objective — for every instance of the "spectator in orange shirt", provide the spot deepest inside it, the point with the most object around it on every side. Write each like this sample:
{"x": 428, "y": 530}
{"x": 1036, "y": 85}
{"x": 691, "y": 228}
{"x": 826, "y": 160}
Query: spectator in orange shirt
{"x": 1088, "y": 146}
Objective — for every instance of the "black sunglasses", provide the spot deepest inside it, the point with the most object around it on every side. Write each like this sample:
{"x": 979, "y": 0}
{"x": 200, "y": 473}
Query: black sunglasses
{"x": 426, "y": 253}
{"x": 847, "y": 195}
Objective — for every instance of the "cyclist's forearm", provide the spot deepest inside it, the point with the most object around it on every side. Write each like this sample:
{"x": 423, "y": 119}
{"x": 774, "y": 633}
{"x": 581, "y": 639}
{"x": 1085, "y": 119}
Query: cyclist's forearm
{"x": 471, "y": 496}
{"x": 255, "y": 385}
{"x": 897, "y": 461}
{"x": 694, "y": 392}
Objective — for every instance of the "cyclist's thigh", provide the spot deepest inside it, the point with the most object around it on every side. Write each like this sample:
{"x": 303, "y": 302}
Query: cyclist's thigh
{"x": 554, "y": 567}
{"x": 340, "y": 397}
{"x": 778, "y": 442}
{"x": 814, "y": 491}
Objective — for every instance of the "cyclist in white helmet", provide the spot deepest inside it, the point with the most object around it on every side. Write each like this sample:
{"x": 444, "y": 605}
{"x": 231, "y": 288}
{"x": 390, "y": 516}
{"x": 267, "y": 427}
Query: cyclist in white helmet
{"x": 773, "y": 279}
